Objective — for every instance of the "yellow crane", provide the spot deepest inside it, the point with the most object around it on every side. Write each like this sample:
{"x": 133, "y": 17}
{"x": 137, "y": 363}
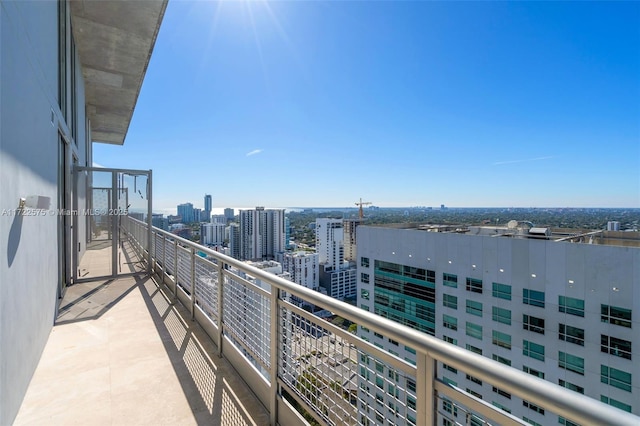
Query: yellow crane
{"x": 360, "y": 204}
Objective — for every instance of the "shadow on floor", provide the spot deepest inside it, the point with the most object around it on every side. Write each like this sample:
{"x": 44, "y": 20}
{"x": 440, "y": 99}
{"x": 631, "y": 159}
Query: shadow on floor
{"x": 216, "y": 394}
{"x": 90, "y": 300}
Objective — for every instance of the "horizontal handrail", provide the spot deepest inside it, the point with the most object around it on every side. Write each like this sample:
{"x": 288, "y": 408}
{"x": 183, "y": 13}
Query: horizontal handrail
{"x": 559, "y": 400}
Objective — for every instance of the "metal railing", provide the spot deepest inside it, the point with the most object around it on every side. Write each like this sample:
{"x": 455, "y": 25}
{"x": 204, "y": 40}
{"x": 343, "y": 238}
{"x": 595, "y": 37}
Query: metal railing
{"x": 292, "y": 358}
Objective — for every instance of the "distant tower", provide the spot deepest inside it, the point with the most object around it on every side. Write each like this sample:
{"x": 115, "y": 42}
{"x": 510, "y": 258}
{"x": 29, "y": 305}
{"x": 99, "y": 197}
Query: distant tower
{"x": 207, "y": 208}
{"x": 234, "y": 241}
{"x": 186, "y": 212}
{"x": 229, "y": 214}
{"x": 261, "y": 233}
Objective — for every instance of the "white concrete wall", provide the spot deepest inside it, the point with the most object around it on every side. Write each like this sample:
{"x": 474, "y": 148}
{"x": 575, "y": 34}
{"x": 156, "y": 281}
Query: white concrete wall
{"x": 29, "y": 123}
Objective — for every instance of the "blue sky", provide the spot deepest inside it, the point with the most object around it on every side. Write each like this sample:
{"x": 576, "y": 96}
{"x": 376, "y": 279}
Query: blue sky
{"x": 410, "y": 103}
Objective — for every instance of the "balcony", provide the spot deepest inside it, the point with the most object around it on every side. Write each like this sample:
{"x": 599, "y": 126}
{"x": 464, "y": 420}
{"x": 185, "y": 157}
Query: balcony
{"x": 201, "y": 352}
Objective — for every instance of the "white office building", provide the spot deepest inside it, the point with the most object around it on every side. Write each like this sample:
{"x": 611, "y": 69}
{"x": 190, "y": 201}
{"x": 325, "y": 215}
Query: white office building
{"x": 563, "y": 308}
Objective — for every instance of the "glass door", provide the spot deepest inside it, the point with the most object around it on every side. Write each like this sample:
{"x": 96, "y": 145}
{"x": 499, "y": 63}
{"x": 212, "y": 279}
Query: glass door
{"x": 112, "y": 197}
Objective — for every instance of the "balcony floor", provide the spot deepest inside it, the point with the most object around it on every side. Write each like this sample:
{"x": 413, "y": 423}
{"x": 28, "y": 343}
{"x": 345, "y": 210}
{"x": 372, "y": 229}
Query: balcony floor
{"x": 121, "y": 354}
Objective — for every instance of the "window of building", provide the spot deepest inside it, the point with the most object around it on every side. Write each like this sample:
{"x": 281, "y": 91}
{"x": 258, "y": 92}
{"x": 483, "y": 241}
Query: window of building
{"x": 449, "y": 381}
{"x": 380, "y": 382}
{"x": 614, "y": 403}
{"x": 474, "y": 285}
{"x": 378, "y": 335}
{"x": 450, "y": 322}
{"x": 531, "y": 422}
{"x": 615, "y": 346}
{"x": 365, "y": 307}
{"x": 474, "y": 330}
{"x": 533, "y": 371}
{"x": 571, "y": 306}
{"x": 571, "y": 362}
{"x": 411, "y": 385}
{"x": 450, "y": 301}
{"x": 431, "y": 276}
{"x": 364, "y": 294}
{"x": 501, "y": 291}
{"x": 571, "y": 386}
{"x": 450, "y": 280}
{"x": 364, "y": 262}
{"x": 450, "y": 340}
{"x": 474, "y": 308}
{"x": 533, "y": 297}
{"x": 450, "y": 368}
{"x": 533, "y": 350}
{"x": 571, "y": 334}
{"x": 501, "y": 339}
{"x": 533, "y": 407}
{"x": 449, "y": 407}
{"x": 364, "y": 278}
{"x": 500, "y": 406}
{"x": 474, "y": 379}
{"x": 501, "y": 315}
{"x": 616, "y": 378}
{"x": 501, "y": 392}
{"x": 566, "y": 422}
{"x": 503, "y": 360}
{"x": 534, "y": 324}
{"x": 474, "y": 349}
{"x": 474, "y": 393}
{"x": 615, "y": 315}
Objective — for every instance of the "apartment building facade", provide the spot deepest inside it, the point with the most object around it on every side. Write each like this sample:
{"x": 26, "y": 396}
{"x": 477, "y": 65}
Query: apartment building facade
{"x": 563, "y": 311}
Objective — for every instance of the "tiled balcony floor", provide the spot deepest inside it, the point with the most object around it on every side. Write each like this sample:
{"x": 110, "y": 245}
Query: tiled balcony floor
{"x": 121, "y": 354}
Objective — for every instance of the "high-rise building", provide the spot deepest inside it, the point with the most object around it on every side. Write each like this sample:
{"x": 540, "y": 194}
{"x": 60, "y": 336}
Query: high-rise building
{"x": 261, "y": 233}
{"x": 212, "y": 234}
{"x": 185, "y": 211}
{"x": 350, "y": 240}
{"x": 337, "y": 276}
{"x": 159, "y": 221}
{"x": 206, "y": 213}
{"x": 303, "y": 267}
{"x": 549, "y": 305}
{"x": 330, "y": 242}
{"x": 197, "y": 215}
{"x": 287, "y": 233}
{"x": 218, "y": 218}
{"x": 234, "y": 240}
{"x": 229, "y": 214}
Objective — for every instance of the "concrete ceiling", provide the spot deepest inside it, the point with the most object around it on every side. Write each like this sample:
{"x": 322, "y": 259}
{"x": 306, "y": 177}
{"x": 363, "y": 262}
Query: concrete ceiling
{"x": 114, "y": 40}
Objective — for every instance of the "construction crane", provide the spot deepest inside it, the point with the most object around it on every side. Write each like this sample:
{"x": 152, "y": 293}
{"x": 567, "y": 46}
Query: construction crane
{"x": 360, "y": 204}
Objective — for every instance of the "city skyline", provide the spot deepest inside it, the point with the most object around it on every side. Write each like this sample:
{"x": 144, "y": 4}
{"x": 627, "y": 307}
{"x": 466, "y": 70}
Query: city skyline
{"x": 488, "y": 104}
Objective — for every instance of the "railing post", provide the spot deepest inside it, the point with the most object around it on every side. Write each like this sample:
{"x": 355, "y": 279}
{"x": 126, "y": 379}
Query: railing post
{"x": 193, "y": 283}
{"x": 175, "y": 269}
{"x": 220, "y": 310}
{"x": 273, "y": 356}
{"x": 164, "y": 258}
{"x": 425, "y": 377}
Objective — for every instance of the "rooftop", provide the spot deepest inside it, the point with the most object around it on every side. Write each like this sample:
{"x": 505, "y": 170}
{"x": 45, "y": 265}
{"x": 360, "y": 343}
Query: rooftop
{"x": 529, "y": 231}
